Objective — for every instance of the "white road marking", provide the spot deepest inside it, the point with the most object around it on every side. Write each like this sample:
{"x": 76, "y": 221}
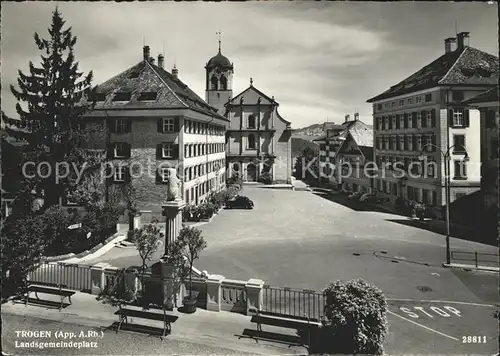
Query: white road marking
{"x": 423, "y": 326}
{"x": 438, "y": 301}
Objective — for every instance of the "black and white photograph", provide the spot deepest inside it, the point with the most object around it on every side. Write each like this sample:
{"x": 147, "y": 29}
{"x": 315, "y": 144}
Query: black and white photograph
{"x": 250, "y": 178}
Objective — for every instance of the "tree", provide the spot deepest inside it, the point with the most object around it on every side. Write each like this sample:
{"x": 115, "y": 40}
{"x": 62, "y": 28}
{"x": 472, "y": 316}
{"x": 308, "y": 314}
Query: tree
{"x": 193, "y": 242}
{"x": 147, "y": 240}
{"x": 356, "y": 320}
{"x": 53, "y": 96}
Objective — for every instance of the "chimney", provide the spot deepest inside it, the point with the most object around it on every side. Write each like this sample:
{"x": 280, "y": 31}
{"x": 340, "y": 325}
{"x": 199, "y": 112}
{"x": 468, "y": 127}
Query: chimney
{"x": 356, "y": 116}
{"x": 151, "y": 60}
{"x": 145, "y": 53}
{"x": 161, "y": 61}
{"x": 461, "y": 40}
{"x": 347, "y": 117}
{"x": 175, "y": 71}
{"x": 448, "y": 44}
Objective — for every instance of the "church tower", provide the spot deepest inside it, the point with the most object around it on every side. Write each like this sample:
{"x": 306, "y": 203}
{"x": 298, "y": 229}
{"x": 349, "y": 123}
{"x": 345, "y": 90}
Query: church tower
{"x": 219, "y": 81}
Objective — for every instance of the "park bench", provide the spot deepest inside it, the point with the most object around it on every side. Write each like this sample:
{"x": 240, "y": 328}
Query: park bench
{"x": 124, "y": 313}
{"x": 49, "y": 288}
{"x": 298, "y": 323}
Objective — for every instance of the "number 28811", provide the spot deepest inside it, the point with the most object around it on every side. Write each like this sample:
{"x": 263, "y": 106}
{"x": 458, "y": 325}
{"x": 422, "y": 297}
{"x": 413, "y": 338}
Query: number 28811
{"x": 473, "y": 339}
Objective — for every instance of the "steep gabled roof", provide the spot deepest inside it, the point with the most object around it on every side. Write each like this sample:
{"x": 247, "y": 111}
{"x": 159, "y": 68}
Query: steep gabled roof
{"x": 484, "y": 97}
{"x": 146, "y": 77}
{"x": 469, "y": 66}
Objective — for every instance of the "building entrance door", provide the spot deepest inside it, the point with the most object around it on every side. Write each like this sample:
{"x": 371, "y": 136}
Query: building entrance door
{"x": 251, "y": 172}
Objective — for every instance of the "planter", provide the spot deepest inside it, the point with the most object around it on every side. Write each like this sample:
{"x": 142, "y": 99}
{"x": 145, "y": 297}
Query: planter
{"x": 189, "y": 304}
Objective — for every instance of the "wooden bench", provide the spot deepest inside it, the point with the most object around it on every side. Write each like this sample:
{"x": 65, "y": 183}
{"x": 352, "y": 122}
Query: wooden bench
{"x": 49, "y": 288}
{"x": 285, "y": 321}
{"x": 124, "y": 313}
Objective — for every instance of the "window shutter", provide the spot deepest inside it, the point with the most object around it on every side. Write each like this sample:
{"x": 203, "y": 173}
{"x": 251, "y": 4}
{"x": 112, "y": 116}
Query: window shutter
{"x": 159, "y": 125}
{"x": 424, "y": 118}
{"x": 112, "y": 125}
{"x": 433, "y": 141}
{"x": 405, "y": 120}
{"x": 109, "y": 178}
{"x": 398, "y": 121}
{"x": 129, "y": 125}
{"x": 175, "y": 151}
{"x": 450, "y": 117}
{"x": 110, "y": 151}
{"x": 176, "y": 123}
{"x": 414, "y": 119}
{"x": 414, "y": 143}
{"x": 159, "y": 151}
{"x": 129, "y": 150}
{"x": 466, "y": 118}
{"x": 127, "y": 175}
{"x": 158, "y": 176}
{"x": 433, "y": 118}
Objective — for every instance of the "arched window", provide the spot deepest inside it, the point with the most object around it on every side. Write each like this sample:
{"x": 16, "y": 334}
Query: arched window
{"x": 251, "y": 142}
{"x": 223, "y": 83}
{"x": 251, "y": 122}
{"x": 213, "y": 81}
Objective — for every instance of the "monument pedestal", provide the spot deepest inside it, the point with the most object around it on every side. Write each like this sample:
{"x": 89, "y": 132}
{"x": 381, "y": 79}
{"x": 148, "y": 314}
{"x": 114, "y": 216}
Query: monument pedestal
{"x": 172, "y": 288}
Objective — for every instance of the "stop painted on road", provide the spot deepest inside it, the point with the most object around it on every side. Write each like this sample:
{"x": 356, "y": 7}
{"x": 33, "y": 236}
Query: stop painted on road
{"x": 432, "y": 311}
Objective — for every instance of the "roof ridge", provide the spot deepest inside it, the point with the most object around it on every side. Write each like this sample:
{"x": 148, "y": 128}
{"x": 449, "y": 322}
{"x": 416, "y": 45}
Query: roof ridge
{"x": 453, "y": 65}
{"x": 164, "y": 82}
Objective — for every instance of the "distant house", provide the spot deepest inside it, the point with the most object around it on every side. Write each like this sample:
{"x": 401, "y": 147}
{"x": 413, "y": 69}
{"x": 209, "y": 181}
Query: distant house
{"x": 330, "y": 142}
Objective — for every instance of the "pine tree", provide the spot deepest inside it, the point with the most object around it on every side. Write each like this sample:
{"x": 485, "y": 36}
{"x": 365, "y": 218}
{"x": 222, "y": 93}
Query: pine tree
{"x": 54, "y": 96}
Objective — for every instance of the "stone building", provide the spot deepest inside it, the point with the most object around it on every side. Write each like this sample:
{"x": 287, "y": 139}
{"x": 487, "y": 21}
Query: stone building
{"x": 156, "y": 121}
{"x": 423, "y": 115}
{"x": 258, "y": 139}
{"x": 330, "y": 142}
{"x": 487, "y": 103}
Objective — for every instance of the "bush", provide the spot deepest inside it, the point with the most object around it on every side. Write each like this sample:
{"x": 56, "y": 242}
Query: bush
{"x": 356, "y": 321}
{"x": 236, "y": 180}
{"x": 266, "y": 178}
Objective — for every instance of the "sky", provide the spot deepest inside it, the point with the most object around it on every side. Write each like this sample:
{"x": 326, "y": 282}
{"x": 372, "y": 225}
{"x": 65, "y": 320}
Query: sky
{"x": 320, "y": 60}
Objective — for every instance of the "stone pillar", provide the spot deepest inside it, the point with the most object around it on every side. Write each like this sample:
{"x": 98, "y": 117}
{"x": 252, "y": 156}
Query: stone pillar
{"x": 214, "y": 292}
{"x": 97, "y": 277}
{"x": 254, "y": 294}
{"x": 172, "y": 210}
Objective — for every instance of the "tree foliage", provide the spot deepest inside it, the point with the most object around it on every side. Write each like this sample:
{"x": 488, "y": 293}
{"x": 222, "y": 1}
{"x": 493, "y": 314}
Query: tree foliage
{"x": 356, "y": 321}
{"x": 192, "y": 243}
{"x": 51, "y": 103}
{"x": 147, "y": 239}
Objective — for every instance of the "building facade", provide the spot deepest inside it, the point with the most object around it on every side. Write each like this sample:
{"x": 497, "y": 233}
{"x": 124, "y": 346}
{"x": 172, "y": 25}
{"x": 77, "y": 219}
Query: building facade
{"x": 421, "y": 124}
{"x": 258, "y": 138}
{"x": 487, "y": 103}
{"x": 331, "y": 141}
{"x": 156, "y": 122}
{"x": 354, "y": 162}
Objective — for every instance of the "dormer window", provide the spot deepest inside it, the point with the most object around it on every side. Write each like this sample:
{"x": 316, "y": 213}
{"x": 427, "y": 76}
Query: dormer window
{"x": 122, "y": 97}
{"x": 134, "y": 74}
{"x": 251, "y": 122}
{"x": 147, "y": 96}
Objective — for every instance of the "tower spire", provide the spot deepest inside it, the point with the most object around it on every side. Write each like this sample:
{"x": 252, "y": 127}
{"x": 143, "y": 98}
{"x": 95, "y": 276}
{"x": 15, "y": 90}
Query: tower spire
{"x": 219, "y": 33}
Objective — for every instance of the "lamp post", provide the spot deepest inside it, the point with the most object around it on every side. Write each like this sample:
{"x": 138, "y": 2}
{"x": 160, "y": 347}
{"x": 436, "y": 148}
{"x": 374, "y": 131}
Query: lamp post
{"x": 447, "y": 158}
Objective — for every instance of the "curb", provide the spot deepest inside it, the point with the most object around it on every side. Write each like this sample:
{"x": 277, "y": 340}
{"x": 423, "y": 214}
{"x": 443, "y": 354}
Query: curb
{"x": 478, "y": 268}
{"x": 116, "y": 237}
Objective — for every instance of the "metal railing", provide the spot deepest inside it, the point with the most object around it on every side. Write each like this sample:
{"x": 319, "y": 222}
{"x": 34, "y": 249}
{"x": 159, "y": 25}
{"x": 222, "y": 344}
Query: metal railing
{"x": 73, "y": 276}
{"x": 486, "y": 259}
{"x": 294, "y": 302}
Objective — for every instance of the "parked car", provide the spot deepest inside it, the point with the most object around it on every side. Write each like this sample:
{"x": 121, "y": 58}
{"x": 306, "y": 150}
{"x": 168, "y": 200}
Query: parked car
{"x": 240, "y": 202}
{"x": 372, "y": 198}
{"x": 355, "y": 195}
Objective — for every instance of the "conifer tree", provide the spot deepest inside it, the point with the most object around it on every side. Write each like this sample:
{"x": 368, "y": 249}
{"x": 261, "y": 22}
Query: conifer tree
{"x": 54, "y": 100}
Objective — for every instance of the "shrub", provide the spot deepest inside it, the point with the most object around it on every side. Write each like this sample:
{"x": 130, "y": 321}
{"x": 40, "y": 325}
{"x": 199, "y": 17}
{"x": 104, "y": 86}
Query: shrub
{"x": 356, "y": 321}
{"x": 236, "y": 180}
{"x": 266, "y": 178}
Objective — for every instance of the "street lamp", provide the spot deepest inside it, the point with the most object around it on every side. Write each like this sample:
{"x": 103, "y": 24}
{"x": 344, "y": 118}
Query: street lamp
{"x": 447, "y": 158}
